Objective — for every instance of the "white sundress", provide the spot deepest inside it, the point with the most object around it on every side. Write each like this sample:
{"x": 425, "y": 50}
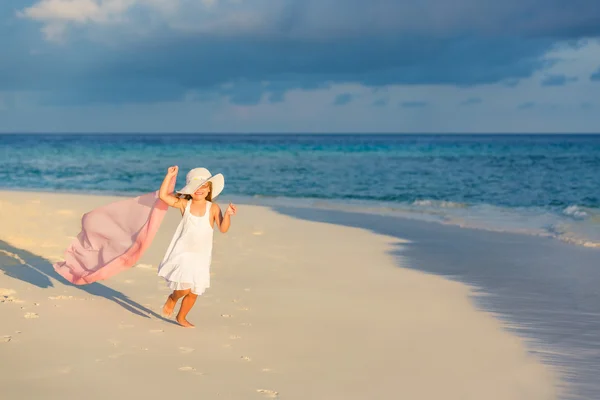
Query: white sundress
{"x": 186, "y": 264}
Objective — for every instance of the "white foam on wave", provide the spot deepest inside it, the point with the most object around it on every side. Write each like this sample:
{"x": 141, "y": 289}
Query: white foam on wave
{"x": 574, "y": 224}
{"x": 575, "y": 211}
{"x": 438, "y": 203}
{"x": 581, "y": 226}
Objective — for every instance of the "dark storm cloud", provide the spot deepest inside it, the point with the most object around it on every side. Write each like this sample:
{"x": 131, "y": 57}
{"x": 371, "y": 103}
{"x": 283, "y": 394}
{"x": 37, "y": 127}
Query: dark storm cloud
{"x": 557, "y": 80}
{"x": 293, "y": 45}
{"x": 342, "y": 99}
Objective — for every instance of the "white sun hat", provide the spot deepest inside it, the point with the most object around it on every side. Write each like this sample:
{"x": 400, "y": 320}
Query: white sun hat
{"x": 198, "y": 177}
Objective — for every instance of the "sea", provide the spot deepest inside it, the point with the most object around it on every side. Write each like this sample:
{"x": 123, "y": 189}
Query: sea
{"x": 543, "y": 185}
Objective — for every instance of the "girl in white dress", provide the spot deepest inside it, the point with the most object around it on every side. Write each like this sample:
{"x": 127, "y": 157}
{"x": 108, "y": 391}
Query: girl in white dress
{"x": 186, "y": 264}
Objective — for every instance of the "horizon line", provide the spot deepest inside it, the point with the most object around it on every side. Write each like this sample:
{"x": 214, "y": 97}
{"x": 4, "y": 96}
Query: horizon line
{"x": 304, "y": 133}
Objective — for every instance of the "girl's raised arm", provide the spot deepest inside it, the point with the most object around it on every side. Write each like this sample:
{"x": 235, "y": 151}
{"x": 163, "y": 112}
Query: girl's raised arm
{"x": 163, "y": 193}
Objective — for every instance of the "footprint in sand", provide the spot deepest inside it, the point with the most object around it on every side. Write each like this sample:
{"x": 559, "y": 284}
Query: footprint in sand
{"x": 185, "y": 350}
{"x": 226, "y": 315}
{"x": 8, "y": 299}
{"x": 115, "y": 343}
{"x": 6, "y": 296}
{"x": 187, "y": 369}
{"x": 246, "y": 358}
{"x": 266, "y": 370}
{"x": 244, "y": 309}
{"x": 156, "y": 330}
{"x": 246, "y": 324}
{"x": 268, "y": 393}
{"x": 31, "y": 315}
{"x": 246, "y": 289}
{"x": 234, "y": 337}
{"x": 257, "y": 233}
{"x": 129, "y": 281}
{"x": 5, "y": 339}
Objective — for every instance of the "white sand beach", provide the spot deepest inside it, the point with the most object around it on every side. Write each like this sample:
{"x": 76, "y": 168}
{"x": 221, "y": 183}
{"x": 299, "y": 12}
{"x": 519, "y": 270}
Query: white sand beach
{"x": 296, "y": 310}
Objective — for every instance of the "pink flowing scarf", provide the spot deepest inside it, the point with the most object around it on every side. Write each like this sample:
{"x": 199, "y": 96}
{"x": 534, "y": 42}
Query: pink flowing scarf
{"x": 113, "y": 238}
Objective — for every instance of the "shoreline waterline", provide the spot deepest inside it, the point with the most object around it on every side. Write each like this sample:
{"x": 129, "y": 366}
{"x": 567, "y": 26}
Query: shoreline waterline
{"x": 579, "y": 226}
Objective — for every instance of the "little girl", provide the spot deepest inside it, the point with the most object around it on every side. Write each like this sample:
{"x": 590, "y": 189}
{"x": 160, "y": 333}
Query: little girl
{"x": 186, "y": 265}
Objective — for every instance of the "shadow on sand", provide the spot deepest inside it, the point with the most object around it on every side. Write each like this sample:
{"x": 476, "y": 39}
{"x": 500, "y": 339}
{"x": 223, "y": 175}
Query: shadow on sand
{"x": 39, "y": 272}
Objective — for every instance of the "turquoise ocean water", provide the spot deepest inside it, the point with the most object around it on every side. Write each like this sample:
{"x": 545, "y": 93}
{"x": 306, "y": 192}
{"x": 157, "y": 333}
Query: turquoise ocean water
{"x": 536, "y": 184}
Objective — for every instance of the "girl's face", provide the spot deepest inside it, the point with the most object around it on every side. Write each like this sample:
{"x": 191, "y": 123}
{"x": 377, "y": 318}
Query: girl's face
{"x": 201, "y": 192}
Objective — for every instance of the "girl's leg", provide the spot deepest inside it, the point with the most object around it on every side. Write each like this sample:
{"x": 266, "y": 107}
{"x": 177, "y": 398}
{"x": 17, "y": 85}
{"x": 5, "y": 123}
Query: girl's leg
{"x": 186, "y": 306}
{"x": 172, "y": 301}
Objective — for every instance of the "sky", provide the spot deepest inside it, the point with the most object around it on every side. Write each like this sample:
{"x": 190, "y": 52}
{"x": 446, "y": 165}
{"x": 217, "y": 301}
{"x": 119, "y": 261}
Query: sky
{"x": 160, "y": 66}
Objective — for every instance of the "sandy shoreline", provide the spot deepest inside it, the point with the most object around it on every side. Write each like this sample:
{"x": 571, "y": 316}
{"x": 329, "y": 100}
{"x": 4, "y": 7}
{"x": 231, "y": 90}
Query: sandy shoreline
{"x": 290, "y": 313}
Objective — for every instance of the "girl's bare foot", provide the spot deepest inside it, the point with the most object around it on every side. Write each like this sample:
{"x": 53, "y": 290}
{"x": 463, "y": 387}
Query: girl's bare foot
{"x": 185, "y": 323}
{"x": 169, "y": 306}
{"x": 186, "y": 305}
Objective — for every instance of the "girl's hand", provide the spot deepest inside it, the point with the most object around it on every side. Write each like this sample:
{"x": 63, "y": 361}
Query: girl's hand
{"x": 172, "y": 171}
{"x": 231, "y": 210}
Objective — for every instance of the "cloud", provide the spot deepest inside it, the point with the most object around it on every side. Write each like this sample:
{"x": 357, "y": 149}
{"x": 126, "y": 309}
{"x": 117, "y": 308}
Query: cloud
{"x": 595, "y": 76}
{"x": 276, "y": 97}
{"x": 472, "y": 101}
{"x": 56, "y": 15}
{"x": 319, "y": 18}
{"x": 510, "y": 82}
{"x": 557, "y": 80}
{"x": 526, "y": 106}
{"x": 381, "y": 102}
{"x": 96, "y": 11}
{"x": 414, "y": 104}
{"x": 144, "y": 17}
{"x": 342, "y": 99}
{"x": 140, "y": 51}
{"x": 78, "y": 11}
